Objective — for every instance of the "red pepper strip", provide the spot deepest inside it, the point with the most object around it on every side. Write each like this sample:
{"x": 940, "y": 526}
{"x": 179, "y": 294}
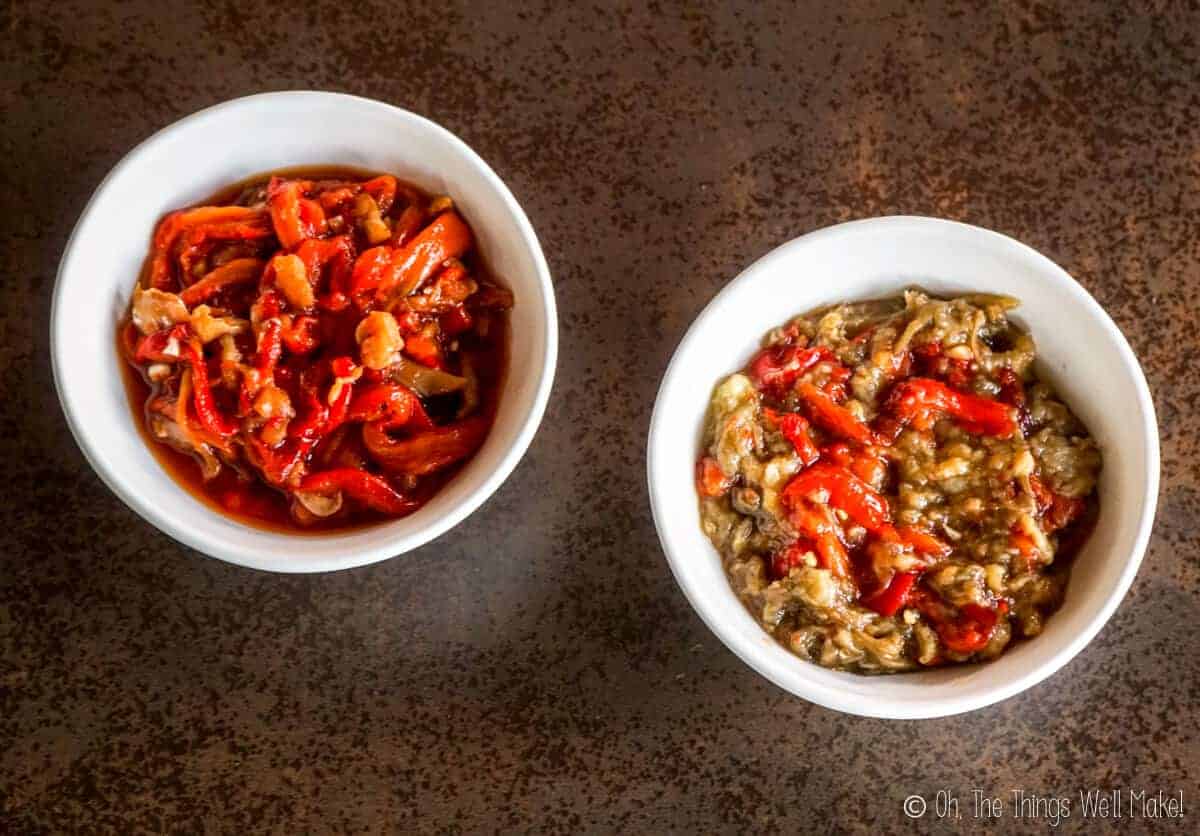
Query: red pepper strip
{"x": 334, "y": 256}
{"x": 287, "y": 215}
{"x": 202, "y": 399}
{"x": 816, "y": 524}
{"x": 870, "y": 466}
{"x": 382, "y": 401}
{"x": 1057, "y": 511}
{"x": 194, "y": 242}
{"x": 302, "y": 337}
{"x": 1023, "y": 543}
{"x": 370, "y": 270}
{"x": 846, "y": 492}
{"x": 916, "y": 395}
{"x": 833, "y": 417}
{"x": 270, "y": 347}
{"x": 383, "y": 190}
{"x": 792, "y": 557}
{"x": 710, "y": 479}
{"x": 455, "y": 321}
{"x": 365, "y": 488}
{"x": 173, "y": 225}
{"x": 971, "y": 632}
{"x": 333, "y": 198}
{"x": 338, "y": 409}
{"x": 424, "y": 348}
{"x": 415, "y": 262}
{"x": 794, "y": 428}
{"x": 152, "y": 347}
{"x": 427, "y": 451}
{"x": 966, "y": 631}
{"x": 235, "y": 272}
{"x": 407, "y": 225}
{"x": 835, "y": 386}
{"x": 923, "y": 542}
{"x": 888, "y": 601}
{"x": 781, "y": 365}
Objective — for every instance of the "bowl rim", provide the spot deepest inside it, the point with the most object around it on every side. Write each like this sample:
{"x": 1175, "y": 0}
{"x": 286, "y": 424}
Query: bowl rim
{"x": 832, "y": 697}
{"x": 401, "y": 543}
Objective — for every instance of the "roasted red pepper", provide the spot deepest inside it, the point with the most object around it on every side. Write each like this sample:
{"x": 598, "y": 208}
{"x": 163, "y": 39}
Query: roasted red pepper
{"x": 792, "y": 557}
{"x": 816, "y": 524}
{"x": 364, "y": 488}
{"x": 888, "y": 601}
{"x": 294, "y": 217}
{"x": 919, "y": 399}
{"x": 923, "y": 542}
{"x": 428, "y": 451}
{"x": 389, "y": 402}
{"x": 1057, "y": 511}
{"x": 447, "y": 237}
{"x": 794, "y": 428}
{"x": 842, "y": 490}
{"x": 971, "y": 631}
{"x": 780, "y": 366}
{"x": 832, "y": 416}
{"x": 370, "y": 271}
{"x": 202, "y": 398}
{"x": 710, "y": 479}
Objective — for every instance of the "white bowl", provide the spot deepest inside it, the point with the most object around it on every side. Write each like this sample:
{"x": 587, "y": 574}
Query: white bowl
{"x": 188, "y": 162}
{"x": 1082, "y": 353}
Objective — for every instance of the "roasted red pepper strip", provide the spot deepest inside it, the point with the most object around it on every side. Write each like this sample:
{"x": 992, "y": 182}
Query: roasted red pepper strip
{"x": 370, "y": 270}
{"x": 780, "y": 366}
{"x": 425, "y": 349}
{"x": 168, "y": 232}
{"x": 415, "y": 262}
{"x": 331, "y": 262}
{"x": 302, "y": 337}
{"x": 965, "y": 631}
{"x": 293, "y": 216}
{"x": 923, "y": 542}
{"x": 816, "y": 524}
{"x": 845, "y": 491}
{"x": 364, "y": 488}
{"x": 382, "y": 401}
{"x": 918, "y": 395}
{"x": 202, "y": 398}
{"x": 383, "y": 190}
{"x": 270, "y": 347}
{"x": 783, "y": 562}
{"x": 972, "y": 630}
{"x": 710, "y": 479}
{"x": 888, "y": 601}
{"x": 794, "y": 428}
{"x": 152, "y": 348}
{"x": 426, "y": 451}
{"x": 231, "y": 273}
{"x": 833, "y": 417}
{"x": 1057, "y": 511}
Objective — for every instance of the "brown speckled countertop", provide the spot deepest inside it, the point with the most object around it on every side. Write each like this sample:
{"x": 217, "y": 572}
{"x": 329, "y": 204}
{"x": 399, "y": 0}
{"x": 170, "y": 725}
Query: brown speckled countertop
{"x": 554, "y": 678}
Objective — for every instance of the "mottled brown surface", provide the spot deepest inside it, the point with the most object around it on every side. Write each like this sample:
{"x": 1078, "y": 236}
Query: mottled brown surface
{"x": 555, "y": 678}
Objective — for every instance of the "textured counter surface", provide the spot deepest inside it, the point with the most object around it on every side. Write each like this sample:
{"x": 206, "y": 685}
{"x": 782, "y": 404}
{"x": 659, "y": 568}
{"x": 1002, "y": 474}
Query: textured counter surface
{"x": 537, "y": 667}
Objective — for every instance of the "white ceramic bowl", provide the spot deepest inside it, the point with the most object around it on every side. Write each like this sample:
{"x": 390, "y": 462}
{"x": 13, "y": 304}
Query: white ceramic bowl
{"x": 1080, "y": 350}
{"x": 194, "y": 158}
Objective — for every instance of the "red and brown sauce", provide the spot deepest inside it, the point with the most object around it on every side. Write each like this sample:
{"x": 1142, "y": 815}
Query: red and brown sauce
{"x": 317, "y": 349}
{"x": 891, "y": 487}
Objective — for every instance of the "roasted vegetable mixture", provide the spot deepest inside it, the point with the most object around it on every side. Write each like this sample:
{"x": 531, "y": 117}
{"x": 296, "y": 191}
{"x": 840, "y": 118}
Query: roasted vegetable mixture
{"x": 891, "y": 487}
{"x": 318, "y": 350}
